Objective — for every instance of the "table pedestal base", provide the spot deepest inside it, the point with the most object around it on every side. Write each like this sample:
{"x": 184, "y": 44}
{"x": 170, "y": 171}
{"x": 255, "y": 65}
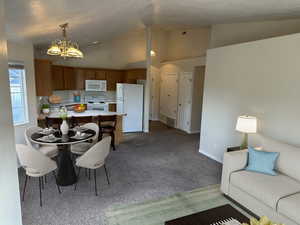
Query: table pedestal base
{"x": 66, "y": 173}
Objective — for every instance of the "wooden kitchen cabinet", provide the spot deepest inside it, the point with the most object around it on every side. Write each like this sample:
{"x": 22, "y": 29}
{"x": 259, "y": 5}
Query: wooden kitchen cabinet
{"x": 100, "y": 74}
{"x": 90, "y": 74}
{"x": 132, "y": 75}
{"x": 58, "y": 78}
{"x": 43, "y": 78}
{"x": 63, "y": 78}
{"x": 69, "y": 78}
{"x": 113, "y": 77}
{"x": 80, "y": 79}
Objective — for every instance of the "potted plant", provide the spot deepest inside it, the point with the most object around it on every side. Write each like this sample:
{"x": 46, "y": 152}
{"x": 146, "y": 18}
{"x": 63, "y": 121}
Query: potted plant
{"x": 45, "y": 108}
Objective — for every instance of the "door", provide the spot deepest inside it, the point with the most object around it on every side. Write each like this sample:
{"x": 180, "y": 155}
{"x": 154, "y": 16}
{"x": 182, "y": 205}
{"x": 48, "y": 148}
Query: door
{"x": 185, "y": 88}
{"x": 133, "y": 108}
{"x": 168, "y": 95}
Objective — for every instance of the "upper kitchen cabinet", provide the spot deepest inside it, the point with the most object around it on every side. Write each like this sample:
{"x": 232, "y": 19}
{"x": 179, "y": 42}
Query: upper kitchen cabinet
{"x": 100, "y": 74}
{"x": 63, "y": 78}
{"x": 133, "y": 75}
{"x": 58, "y": 78}
{"x": 43, "y": 79}
{"x": 80, "y": 78}
{"x": 90, "y": 74}
{"x": 69, "y": 78}
{"x": 113, "y": 77}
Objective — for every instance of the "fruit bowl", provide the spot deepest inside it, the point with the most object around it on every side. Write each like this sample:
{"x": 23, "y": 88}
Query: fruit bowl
{"x": 79, "y": 108}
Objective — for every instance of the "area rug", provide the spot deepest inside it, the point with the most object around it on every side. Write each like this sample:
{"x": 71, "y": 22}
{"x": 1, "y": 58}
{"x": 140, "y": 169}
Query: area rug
{"x": 156, "y": 212}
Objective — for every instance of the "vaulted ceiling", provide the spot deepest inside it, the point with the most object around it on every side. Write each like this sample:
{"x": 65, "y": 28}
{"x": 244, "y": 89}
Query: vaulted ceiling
{"x": 91, "y": 20}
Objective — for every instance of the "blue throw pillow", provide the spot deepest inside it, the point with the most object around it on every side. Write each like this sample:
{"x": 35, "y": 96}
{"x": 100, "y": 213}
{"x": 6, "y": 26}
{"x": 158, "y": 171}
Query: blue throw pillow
{"x": 261, "y": 161}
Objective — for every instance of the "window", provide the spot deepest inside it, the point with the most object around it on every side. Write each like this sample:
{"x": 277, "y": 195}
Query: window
{"x": 18, "y": 93}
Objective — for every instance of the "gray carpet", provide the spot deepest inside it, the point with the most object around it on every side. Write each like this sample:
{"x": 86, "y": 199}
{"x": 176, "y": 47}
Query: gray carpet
{"x": 145, "y": 166}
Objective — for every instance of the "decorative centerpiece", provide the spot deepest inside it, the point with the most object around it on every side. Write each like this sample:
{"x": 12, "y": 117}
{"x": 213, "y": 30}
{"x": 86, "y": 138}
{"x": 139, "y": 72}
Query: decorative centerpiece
{"x": 79, "y": 108}
{"x": 64, "y": 127}
{"x": 262, "y": 221}
{"x": 46, "y": 108}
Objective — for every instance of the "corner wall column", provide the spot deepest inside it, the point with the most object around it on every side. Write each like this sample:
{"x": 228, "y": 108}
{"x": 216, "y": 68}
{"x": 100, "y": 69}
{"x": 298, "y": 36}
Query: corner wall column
{"x": 10, "y": 207}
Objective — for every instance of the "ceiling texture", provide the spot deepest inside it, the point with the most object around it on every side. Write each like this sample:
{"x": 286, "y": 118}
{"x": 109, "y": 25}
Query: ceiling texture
{"x": 99, "y": 20}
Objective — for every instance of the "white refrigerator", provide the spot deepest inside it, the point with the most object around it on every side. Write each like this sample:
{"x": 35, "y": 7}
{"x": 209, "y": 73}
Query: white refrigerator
{"x": 130, "y": 101}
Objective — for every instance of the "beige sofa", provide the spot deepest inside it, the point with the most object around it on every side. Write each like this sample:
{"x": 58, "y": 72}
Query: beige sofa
{"x": 277, "y": 197}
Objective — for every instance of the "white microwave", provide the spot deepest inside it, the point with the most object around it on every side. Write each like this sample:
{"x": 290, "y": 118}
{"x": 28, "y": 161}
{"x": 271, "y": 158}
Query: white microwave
{"x": 95, "y": 85}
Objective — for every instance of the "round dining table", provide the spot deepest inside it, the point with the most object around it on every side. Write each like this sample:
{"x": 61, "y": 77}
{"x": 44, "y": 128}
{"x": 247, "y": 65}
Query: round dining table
{"x": 66, "y": 174}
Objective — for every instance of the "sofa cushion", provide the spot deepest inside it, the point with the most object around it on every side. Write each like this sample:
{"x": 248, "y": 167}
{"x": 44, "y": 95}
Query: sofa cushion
{"x": 268, "y": 189}
{"x": 262, "y": 161}
{"x": 288, "y": 160}
{"x": 289, "y": 207}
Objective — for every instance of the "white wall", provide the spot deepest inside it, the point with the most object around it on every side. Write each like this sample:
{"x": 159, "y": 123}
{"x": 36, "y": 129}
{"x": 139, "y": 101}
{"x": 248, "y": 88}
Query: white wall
{"x": 125, "y": 51}
{"x": 228, "y": 34}
{"x": 258, "y": 78}
{"x": 23, "y": 52}
{"x": 193, "y": 43}
{"x": 10, "y": 208}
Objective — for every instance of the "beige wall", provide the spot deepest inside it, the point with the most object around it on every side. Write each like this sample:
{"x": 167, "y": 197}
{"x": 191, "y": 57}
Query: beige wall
{"x": 258, "y": 78}
{"x": 23, "y": 52}
{"x": 228, "y": 34}
{"x": 125, "y": 51}
{"x": 10, "y": 207}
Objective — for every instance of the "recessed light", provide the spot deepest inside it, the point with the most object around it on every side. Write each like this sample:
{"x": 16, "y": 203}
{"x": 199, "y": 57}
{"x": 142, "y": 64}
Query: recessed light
{"x": 95, "y": 42}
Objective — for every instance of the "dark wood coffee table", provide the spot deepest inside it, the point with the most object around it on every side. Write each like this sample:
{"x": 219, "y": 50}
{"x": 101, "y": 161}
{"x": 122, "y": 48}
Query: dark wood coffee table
{"x": 210, "y": 216}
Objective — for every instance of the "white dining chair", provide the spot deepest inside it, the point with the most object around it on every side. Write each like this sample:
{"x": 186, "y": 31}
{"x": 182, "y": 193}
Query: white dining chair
{"x": 94, "y": 158}
{"x": 35, "y": 164}
{"x": 48, "y": 150}
{"x": 81, "y": 148}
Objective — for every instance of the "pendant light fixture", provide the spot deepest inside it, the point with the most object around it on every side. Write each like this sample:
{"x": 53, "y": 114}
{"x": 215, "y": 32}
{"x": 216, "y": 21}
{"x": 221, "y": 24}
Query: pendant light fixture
{"x": 65, "y": 48}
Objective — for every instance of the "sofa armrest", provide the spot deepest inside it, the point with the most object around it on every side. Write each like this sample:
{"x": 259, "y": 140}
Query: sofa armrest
{"x": 233, "y": 161}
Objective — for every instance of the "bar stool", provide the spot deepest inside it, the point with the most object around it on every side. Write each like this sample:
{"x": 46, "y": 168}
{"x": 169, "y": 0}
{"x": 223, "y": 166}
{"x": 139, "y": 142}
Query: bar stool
{"x": 107, "y": 125}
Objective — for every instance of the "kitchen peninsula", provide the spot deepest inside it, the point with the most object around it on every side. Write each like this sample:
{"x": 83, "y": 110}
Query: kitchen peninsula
{"x": 94, "y": 114}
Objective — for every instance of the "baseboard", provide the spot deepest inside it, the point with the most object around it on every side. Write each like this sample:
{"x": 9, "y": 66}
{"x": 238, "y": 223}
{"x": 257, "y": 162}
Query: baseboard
{"x": 210, "y": 156}
{"x": 194, "y": 131}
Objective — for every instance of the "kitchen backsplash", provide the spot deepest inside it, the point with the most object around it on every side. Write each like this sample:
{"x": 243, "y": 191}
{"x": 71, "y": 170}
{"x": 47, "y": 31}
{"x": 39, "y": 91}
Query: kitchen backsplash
{"x": 68, "y": 96}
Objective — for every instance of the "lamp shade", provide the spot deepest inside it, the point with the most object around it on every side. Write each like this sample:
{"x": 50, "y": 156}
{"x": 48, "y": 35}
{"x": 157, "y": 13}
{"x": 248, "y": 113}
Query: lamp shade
{"x": 246, "y": 124}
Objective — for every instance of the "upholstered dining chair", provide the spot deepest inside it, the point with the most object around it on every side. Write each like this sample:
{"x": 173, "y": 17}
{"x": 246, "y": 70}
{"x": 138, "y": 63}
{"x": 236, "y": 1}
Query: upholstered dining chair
{"x": 95, "y": 158}
{"x": 81, "y": 148}
{"x": 35, "y": 164}
{"x": 48, "y": 150}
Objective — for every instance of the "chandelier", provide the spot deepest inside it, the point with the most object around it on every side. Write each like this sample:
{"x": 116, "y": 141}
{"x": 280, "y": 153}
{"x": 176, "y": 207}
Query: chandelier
{"x": 65, "y": 48}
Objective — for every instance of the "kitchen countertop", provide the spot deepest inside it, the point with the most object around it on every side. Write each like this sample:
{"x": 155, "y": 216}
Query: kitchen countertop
{"x": 86, "y": 113}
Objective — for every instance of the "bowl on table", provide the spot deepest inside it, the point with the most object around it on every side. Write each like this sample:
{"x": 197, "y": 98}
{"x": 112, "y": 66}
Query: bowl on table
{"x": 79, "y": 108}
